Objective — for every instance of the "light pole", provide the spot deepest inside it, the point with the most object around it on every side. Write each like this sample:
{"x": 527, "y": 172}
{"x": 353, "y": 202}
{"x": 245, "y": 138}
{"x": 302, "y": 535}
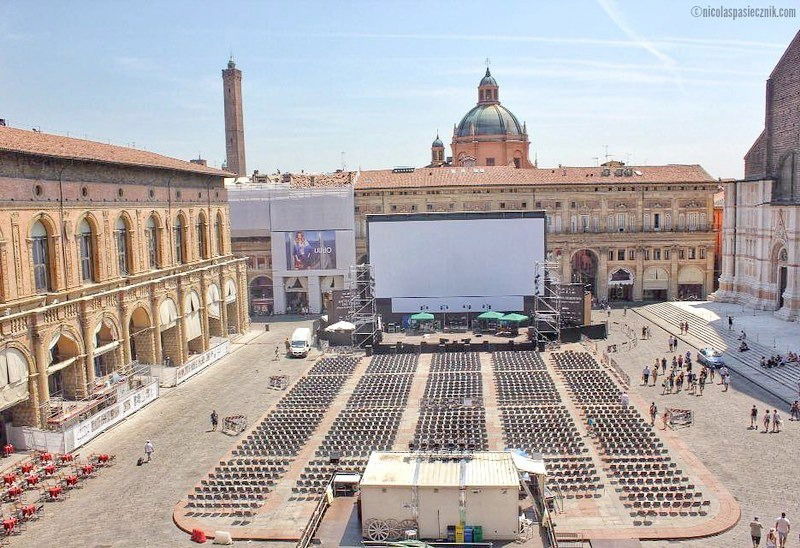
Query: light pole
{"x": 468, "y": 308}
{"x": 444, "y": 309}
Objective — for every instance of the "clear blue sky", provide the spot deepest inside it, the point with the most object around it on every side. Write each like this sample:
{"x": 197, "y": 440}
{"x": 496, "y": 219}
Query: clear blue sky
{"x": 377, "y": 79}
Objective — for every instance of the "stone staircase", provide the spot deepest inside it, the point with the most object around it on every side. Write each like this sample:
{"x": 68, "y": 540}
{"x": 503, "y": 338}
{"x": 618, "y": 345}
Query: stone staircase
{"x": 782, "y": 382}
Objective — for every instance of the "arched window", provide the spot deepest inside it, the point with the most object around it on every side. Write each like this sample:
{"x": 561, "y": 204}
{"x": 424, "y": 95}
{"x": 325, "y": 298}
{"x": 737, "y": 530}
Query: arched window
{"x": 202, "y": 241}
{"x": 218, "y": 232}
{"x": 151, "y": 233}
{"x": 86, "y": 251}
{"x": 41, "y": 257}
{"x": 177, "y": 232}
{"x": 121, "y": 235}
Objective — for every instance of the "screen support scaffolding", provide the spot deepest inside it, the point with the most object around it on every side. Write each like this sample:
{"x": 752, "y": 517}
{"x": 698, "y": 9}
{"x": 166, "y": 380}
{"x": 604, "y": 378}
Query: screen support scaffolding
{"x": 547, "y": 302}
{"x": 363, "y": 311}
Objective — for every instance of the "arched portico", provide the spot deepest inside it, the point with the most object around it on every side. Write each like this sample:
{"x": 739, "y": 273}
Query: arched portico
{"x": 583, "y": 269}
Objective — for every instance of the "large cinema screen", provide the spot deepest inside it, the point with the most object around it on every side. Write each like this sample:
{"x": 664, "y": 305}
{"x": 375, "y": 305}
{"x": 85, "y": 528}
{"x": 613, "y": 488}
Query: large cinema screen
{"x": 452, "y": 261}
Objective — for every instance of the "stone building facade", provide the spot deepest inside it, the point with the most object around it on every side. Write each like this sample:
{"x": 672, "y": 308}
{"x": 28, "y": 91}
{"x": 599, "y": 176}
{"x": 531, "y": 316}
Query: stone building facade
{"x": 761, "y": 219}
{"x": 627, "y": 233}
{"x": 109, "y": 257}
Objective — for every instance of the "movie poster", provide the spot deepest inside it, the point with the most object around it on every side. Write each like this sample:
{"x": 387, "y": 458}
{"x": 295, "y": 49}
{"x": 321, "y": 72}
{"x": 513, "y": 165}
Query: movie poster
{"x": 311, "y": 250}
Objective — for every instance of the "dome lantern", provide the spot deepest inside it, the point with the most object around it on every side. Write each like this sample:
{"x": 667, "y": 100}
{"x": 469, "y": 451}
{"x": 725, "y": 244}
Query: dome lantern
{"x": 488, "y": 90}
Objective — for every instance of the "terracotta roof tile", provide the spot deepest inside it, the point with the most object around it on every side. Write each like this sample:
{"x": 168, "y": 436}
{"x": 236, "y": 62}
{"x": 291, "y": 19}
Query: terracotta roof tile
{"x": 58, "y": 146}
{"x": 506, "y": 175}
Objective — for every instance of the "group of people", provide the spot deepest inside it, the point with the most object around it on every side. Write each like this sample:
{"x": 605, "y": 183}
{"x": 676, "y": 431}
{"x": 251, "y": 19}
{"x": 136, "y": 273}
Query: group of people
{"x": 779, "y": 360}
{"x": 773, "y": 419}
{"x": 684, "y": 327}
{"x": 776, "y": 537}
{"x": 682, "y": 373}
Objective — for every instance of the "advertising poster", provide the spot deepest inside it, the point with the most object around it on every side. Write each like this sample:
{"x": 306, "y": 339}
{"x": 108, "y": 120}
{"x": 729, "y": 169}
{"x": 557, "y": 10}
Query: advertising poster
{"x": 311, "y": 250}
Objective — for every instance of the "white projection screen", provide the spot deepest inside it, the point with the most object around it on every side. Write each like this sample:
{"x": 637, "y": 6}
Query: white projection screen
{"x": 455, "y": 261}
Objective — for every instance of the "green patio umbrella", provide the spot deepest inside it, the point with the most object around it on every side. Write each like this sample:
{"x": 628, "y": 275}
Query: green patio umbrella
{"x": 422, "y": 316}
{"x": 490, "y": 315}
{"x": 513, "y": 318}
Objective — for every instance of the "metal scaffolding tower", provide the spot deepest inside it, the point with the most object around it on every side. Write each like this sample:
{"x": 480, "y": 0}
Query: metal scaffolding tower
{"x": 547, "y": 302}
{"x": 363, "y": 312}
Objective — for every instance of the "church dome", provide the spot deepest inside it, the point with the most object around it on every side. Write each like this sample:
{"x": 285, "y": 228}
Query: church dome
{"x": 489, "y": 119}
{"x": 437, "y": 142}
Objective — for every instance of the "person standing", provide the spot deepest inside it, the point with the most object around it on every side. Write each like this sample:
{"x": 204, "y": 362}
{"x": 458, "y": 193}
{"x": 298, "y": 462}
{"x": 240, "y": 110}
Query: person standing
{"x": 646, "y": 375}
{"x": 653, "y": 413}
{"x": 795, "y": 411}
{"x": 726, "y": 383}
{"x": 755, "y": 531}
{"x": 766, "y": 420}
{"x": 730, "y": 327}
{"x": 776, "y": 422}
{"x": 148, "y": 449}
{"x": 287, "y": 344}
{"x": 655, "y": 375}
{"x": 754, "y": 419}
{"x": 782, "y": 526}
{"x": 214, "y": 420}
{"x": 702, "y": 382}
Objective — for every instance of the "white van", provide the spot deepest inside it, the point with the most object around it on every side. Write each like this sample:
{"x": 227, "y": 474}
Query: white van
{"x": 301, "y": 342}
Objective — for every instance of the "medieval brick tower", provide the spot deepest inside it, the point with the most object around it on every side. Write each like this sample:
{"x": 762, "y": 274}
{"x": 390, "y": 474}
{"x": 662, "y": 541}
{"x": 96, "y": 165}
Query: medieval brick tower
{"x": 234, "y": 120}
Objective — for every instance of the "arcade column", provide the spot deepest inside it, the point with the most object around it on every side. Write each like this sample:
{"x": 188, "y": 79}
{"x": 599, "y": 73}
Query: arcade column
{"x": 314, "y": 295}
{"x": 637, "y": 275}
{"x": 278, "y": 295}
{"x": 602, "y": 273}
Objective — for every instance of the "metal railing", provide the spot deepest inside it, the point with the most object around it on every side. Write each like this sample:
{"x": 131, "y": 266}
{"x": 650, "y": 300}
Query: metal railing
{"x": 316, "y": 517}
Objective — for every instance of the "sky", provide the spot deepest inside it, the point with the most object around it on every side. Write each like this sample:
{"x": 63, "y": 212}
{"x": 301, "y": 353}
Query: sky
{"x": 368, "y": 84}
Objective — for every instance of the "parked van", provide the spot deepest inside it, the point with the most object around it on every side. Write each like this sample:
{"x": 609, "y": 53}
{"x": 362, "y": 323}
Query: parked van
{"x": 301, "y": 342}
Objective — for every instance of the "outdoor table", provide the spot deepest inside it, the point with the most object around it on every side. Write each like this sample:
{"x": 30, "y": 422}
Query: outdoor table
{"x": 33, "y": 479}
{"x": 87, "y": 469}
{"x": 50, "y": 469}
{"x": 8, "y": 479}
{"x": 29, "y": 510}
{"x": 27, "y": 467}
{"x": 45, "y": 457}
{"x": 15, "y": 491}
{"x": 71, "y": 479}
{"x": 8, "y": 449}
{"x": 54, "y": 491}
{"x": 66, "y": 457}
{"x": 9, "y": 524}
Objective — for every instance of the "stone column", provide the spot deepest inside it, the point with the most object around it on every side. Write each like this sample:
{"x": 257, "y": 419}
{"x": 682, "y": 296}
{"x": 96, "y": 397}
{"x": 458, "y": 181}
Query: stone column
{"x": 204, "y": 314}
{"x": 87, "y": 330}
{"x": 602, "y": 273}
{"x": 708, "y": 285}
{"x": 223, "y": 307}
{"x": 244, "y": 301}
{"x": 156, "y": 331}
{"x": 672, "y": 292}
{"x": 125, "y": 333}
{"x": 638, "y": 273}
{"x": 42, "y": 360}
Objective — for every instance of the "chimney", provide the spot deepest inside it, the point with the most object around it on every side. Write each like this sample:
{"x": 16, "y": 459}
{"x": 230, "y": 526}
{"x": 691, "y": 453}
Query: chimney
{"x": 199, "y": 161}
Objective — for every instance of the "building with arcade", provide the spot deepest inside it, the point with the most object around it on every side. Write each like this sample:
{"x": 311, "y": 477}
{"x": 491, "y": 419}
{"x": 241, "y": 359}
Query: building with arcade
{"x": 115, "y": 268}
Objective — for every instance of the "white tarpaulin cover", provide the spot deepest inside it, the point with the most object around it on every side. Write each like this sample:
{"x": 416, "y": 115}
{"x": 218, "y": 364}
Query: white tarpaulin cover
{"x": 530, "y": 465}
{"x": 13, "y": 377}
{"x": 340, "y": 326}
{"x": 230, "y": 291}
{"x": 168, "y": 313}
{"x": 191, "y": 315}
{"x": 213, "y": 299}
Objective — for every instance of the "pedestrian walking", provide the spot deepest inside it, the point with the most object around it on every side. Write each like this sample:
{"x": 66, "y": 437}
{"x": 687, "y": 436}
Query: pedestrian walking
{"x": 277, "y": 354}
{"x": 702, "y": 382}
{"x": 148, "y": 449}
{"x": 608, "y": 310}
{"x": 782, "y": 527}
{"x": 777, "y": 422}
{"x": 711, "y": 373}
{"x": 671, "y": 382}
{"x": 686, "y": 330}
{"x": 663, "y": 365}
{"x": 723, "y": 372}
{"x": 680, "y": 361}
{"x": 653, "y": 413}
{"x": 655, "y": 375}
{"x": 730, "y": 327}
{"x": 726, "y": 383}
{"x": 214, "y": 420}
{"x": 772, "y": 539}
{"x": 766, "y": 420}
{"x": 753, "y": 418}
{"x": 755, "y": 531}
{"x": 644, "y": 332}
{"x": 287, "y": 345}
{"x": 664, "y": 385}
{"x": 795, "y": 411}
{"x": 625, "y": 311}
{"x": 646, "y": 375}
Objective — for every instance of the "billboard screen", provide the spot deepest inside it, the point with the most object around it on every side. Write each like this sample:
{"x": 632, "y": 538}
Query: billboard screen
{"x": 311, "y": 250}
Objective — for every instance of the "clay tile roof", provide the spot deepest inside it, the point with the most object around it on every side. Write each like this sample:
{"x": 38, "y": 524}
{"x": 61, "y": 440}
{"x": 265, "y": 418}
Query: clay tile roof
{"x": 58, "y": 146}
{"x": 507, "y": 175}
{"x": 310, "y": 180}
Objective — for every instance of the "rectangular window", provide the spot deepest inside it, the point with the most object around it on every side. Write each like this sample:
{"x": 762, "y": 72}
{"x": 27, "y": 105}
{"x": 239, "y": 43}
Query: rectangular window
{"x": 178, "y": 232}
{"x": 610, "y": 254}
{"x": 681, "y": 254}
{"x": 524, "y": 205}
{"x": 666, "y": 254}
{"x": 489, "y": 161}
{"x": 621, "y": 222}
{"x": 656, "y": 221}
{"x": 502, "y": 205}
{"x": 631, "y": 255}
{"x": 584, "y": 223}
{"x": 656, "y": 254}
{"x": 538, "y": 205}
{"x": 620, "y": 254}
{"x": 692, "y": 253}
{"x": 40, "y": 264}
{"x": 558, "y": 205}
{"x": 646, "y": 254}
{"x": 152, "y": 258}
{"x": 85, "y": 248}
{"x": 122, "y": 252}
{"x": 702, "y": 252}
